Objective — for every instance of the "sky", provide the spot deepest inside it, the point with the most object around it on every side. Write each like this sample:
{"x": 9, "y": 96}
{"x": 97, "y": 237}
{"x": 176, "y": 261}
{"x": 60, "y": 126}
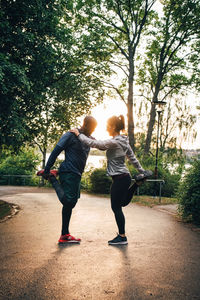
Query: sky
{"x": 103, "y": 112}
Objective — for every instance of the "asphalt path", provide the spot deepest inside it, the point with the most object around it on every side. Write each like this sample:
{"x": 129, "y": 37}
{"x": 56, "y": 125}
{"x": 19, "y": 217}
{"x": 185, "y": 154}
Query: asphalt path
{"x": 161, "y": 260}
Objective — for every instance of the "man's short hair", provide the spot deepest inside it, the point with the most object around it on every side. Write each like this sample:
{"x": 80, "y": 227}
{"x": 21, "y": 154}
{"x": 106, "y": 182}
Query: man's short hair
{"x": 89, "y": 121}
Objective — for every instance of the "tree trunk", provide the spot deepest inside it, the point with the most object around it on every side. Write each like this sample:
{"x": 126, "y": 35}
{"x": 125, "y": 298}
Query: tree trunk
{"x": 150, "y": 128}
{"x": 44, "y": 154}
{"x": 152, "y": 115}
{"x": 130, "y": 103}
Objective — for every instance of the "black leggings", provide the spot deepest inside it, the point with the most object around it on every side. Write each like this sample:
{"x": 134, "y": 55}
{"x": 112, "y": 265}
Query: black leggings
{"x": 67, "y": 207}
{"x": 119, "y": 191}
{"x": 121, "y": 195}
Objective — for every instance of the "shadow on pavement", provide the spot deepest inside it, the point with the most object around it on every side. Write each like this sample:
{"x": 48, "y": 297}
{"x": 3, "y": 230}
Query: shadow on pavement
{"x": 38, "y": 285}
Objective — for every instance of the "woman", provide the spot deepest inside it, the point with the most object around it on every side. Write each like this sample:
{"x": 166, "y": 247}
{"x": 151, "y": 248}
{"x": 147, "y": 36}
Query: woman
{"x": 117, "y": 149}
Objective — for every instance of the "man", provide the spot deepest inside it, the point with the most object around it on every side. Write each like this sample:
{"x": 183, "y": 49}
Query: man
{"x": 70, "y": 171}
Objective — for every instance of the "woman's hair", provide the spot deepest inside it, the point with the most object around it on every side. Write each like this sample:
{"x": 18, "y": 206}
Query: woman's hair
{"x": 117, "y": 122}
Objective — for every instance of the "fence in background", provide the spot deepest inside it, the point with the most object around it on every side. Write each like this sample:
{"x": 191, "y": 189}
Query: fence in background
{"x": 159, "y": 181}
{"x": 19, "y": 180}
{"x": 37, "y": 181}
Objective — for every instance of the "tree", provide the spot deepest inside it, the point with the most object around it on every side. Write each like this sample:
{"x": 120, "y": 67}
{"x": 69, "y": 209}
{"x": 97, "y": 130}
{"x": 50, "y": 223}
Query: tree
{"x": 40, "y": 59}
{"x": 168, "y": 55}
{"x": 117, "y": 25}
{"x": 177, "y": 121}
{"x": 61, "y": 108}
{"x": 195, "y": 64}
{"x": 29, "y": 32}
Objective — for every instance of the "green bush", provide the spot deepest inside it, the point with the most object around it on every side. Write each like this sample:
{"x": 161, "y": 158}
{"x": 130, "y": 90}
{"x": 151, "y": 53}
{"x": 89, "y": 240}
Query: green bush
{"x": 189, "y": 194}
{"x": 100, "y": 182}
{"x": 96, "y": 180}
{"x": 23, "y": 163}
{"x": 85, "y": 179}
{"x": 169, "y": 188}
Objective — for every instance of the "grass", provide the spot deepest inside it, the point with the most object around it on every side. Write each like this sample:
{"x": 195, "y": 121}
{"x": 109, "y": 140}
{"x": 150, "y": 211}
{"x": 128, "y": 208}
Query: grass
{"x": 5, "y": 209}
{"x": 151, "y": 201}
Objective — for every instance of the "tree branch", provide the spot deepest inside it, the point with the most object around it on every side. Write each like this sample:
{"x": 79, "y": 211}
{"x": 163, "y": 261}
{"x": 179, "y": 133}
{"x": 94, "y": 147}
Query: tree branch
{"x": 118, "y": 46}
{"x": 35, "y": 142}
{"x": 146, "y": 12}
{"x": 120, "y": 14}
{"x": 110, "y": 85}
{"x": 110, "y": 22}
{"x": 120, "y": 66}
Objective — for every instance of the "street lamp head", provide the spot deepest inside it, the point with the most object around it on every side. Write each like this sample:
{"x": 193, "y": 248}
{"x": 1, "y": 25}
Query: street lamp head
{"x": 160, "y": 104}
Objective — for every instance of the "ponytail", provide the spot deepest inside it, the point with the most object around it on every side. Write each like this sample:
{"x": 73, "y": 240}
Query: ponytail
{"x": 121, "y": 123}
{"x": 117, "y": 122}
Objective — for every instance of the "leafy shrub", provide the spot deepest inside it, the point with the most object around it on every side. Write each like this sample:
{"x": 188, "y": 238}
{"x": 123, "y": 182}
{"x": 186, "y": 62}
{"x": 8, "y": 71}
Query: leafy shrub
{"x": 169, "y": 188}
{"x": 189, "y": 194}
{"x": 23, "y": 163}
{"x": 100, "y": 182}
{"x": 85, "y": 179}
{"x": 96, "y": 180}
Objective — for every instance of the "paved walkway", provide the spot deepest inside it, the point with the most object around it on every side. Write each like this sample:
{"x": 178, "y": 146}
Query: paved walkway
{"x": 161, "y": 260}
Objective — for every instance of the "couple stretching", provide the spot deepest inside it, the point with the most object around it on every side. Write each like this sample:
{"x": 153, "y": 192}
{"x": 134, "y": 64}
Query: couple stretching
{"x": 76, "y": 145}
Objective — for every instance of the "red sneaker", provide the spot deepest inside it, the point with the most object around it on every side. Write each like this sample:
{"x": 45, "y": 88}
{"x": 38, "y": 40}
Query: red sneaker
{"x": 68, "y": 238}
{"x": 52, "y": 172}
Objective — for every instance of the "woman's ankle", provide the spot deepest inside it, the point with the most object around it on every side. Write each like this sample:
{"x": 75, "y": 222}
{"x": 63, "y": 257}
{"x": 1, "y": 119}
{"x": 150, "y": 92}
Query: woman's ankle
{"x": 122, "y": 235}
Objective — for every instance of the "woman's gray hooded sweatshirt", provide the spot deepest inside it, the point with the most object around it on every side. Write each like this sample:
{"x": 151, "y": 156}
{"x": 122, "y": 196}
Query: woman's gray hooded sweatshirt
{"x": 118, "y": 149}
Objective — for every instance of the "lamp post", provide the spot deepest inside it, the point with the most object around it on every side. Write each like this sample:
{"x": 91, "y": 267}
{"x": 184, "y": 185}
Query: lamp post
{"x": 159, "y": 111}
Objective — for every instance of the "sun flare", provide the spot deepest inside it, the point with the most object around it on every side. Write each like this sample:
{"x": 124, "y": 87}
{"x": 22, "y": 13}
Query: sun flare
{"x": 103, "y": 112}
